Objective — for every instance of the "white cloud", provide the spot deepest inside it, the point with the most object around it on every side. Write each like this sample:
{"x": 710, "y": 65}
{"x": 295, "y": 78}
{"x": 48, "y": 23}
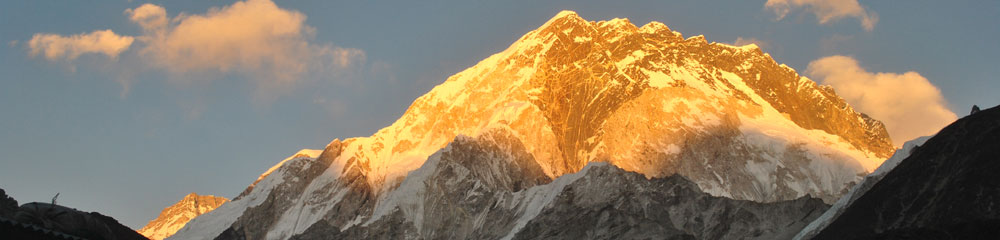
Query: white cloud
{"x": 908, "y": 104}
{"x": 826, "y": 11}
{"x": 150, "y": 17}
{"x": 56, "y": 47}
{"x": 254, "y": 37}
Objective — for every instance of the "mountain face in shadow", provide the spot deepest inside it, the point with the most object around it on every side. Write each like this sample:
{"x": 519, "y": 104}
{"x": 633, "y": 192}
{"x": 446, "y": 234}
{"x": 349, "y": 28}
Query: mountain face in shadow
{"x": 948, "y": 188}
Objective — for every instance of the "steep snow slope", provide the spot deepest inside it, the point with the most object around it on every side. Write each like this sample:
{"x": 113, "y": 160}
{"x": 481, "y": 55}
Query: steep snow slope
{"x": 211, "y": 224}
{"x": 643, "y": 99}
{"x": 176, "y": 216}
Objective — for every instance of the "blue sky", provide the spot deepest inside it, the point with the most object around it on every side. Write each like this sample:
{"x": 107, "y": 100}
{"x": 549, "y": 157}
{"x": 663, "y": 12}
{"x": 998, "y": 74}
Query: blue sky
{"x": 130, "y": 134}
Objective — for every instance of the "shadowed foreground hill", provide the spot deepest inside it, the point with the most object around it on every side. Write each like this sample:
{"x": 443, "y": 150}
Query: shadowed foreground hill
{"x": 41, "y": 221}
{"x": 949, "y": 188}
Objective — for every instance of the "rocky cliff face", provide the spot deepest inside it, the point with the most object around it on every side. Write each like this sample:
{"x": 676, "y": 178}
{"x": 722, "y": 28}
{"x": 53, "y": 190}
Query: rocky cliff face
{"x": 945, "y": 189}
{"x": 578, "y": 91}
{"x": 727, "y": 119}
{"x": 174, "y": 217}
{"x": 609, "y": 203}
{"x": 488, "y": 187}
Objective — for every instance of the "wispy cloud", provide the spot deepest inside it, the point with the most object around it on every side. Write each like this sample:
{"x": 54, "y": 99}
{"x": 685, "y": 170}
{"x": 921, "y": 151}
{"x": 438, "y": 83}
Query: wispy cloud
{"x": 908, "y": 104}
{"x": 56, "y": 47}
{"x": 741, "y": 41}
{"x": 826, "y": 11}
{"x": 835, "y": 43}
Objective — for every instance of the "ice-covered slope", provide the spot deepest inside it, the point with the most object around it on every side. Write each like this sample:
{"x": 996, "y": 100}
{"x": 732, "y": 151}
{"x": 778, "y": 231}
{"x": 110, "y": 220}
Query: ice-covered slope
{"x": 273, "y": 181}
{"x": 644, "y": 99}
{"x": 176, "y": 216}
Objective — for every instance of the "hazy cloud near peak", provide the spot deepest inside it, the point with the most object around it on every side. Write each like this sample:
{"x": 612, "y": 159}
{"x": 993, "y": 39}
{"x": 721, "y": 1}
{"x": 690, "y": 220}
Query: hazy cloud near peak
{"x": 908, "y": 104}
{"x": 826, "y": 11}
{"x": 741, "y": 41}
{"x": 55, "y": 46}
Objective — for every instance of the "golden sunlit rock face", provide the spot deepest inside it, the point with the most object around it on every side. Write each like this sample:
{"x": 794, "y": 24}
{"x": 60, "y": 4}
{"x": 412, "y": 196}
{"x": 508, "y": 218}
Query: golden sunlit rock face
{"x": 174, "y": 217}
{"x": 568, "y": 94}
{"x": 559, "y": 86}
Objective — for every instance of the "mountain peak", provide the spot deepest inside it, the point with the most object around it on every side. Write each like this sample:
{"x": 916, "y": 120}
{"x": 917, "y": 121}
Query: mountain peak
{"x": 564, "y": 22}
{"x": 565, "y": 14}
{"x": 191, "y": 196}
{"x": 571, "y": 75}
{"x": 570, "y": 93}
{"x": 656, "y": 27}
{"x": 174, "y": 217}
{"x": 197, "y": 200}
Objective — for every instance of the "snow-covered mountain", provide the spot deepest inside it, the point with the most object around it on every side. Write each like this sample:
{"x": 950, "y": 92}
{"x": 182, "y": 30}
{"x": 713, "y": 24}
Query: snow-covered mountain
{"x": 502, "y": 145}
{"x": 174, "y": 217}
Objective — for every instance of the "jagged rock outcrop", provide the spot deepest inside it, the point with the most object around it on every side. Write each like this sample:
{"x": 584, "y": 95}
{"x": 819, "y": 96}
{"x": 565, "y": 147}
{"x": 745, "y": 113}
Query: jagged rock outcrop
{"x": 8, "y": 206}
{"x": 174, "y": 217}
{"x": 946, "y": 189}
{"x": 645, "y": 99}
{"x": 609, "y": 203}
{"x": 489, "y": 188}
{"x": 455, "y": 195}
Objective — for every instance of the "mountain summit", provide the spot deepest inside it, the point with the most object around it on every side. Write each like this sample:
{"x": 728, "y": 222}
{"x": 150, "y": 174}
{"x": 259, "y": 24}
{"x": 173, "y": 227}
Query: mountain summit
{"x": 510, "y": 138}
{"x": 174, "y": 217}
